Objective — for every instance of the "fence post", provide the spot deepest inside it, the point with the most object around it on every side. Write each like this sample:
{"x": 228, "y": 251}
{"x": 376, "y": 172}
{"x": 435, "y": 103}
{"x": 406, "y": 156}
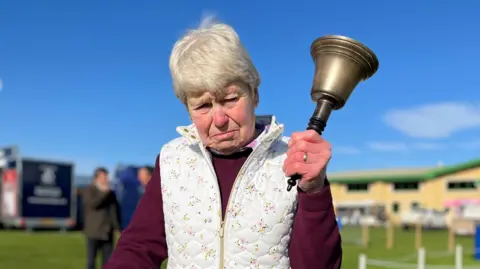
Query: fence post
{"x": 451, "y": 236}
{"x": 418, "y": 235}
{"x": 362, "y": 261}
{"x": 365, "y": 235}
{"x": 421, "y": 258}
{"x": 458, "y": 257}
{"x": 390, "y": 234}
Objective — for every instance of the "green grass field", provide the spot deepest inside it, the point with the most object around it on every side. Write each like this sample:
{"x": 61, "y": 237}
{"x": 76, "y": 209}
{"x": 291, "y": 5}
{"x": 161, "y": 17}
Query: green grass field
{"x": 434, "y": 242}
{"x": 53, "y": 250}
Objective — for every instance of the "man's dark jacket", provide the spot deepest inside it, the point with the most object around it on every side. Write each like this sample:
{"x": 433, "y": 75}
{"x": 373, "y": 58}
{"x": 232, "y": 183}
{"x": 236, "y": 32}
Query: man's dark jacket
{"x": 101, "y": 213}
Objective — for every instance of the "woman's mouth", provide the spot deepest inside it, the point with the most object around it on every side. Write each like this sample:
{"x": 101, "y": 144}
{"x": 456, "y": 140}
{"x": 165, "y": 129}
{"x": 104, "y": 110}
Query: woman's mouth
{"x": 224, "y": 135}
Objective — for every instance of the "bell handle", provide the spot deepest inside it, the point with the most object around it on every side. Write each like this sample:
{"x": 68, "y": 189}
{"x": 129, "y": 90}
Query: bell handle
{"x": 317, "y": 122}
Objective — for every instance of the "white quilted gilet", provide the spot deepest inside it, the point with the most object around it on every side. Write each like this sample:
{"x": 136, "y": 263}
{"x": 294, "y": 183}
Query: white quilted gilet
{"x": 260, "y": 212}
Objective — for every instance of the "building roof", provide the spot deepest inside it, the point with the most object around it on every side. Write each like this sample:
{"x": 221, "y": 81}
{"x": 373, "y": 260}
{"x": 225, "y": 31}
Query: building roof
{"x": 400, "y": 175}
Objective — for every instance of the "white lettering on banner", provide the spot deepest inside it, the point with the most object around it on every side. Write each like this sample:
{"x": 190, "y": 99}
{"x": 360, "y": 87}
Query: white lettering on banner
{"x": 48, "y": 176}
{"x": 46, "y": 201}
{"x": 47, "y": 193}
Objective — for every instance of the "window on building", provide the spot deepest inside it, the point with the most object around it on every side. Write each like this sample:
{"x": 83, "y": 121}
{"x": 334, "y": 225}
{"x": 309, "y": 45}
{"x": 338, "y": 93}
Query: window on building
{"x": 395, "y": 207}
{"x": 462, "y": 185}
{"x": 406, "y": 186}
{"x": 357, "y": 187}
{"x": 415, "y": 205}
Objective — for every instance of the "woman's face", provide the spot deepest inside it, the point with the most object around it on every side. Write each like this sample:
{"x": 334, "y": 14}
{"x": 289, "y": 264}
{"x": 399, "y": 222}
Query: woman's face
{"x": 225, "y": 122}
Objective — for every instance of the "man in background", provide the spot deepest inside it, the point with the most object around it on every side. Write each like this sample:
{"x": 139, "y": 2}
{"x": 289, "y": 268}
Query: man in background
{"x": 144, "y": 174}
{"x": 101, "y": 217}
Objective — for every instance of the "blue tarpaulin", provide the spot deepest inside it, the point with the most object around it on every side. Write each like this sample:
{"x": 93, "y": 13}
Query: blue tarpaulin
{"x": 129, "y": 191}
{"x": 477, "y": 243}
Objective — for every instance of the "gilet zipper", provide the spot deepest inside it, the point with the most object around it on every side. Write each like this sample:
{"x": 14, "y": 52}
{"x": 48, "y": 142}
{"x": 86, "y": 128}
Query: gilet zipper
{"x": 222, "y": 217}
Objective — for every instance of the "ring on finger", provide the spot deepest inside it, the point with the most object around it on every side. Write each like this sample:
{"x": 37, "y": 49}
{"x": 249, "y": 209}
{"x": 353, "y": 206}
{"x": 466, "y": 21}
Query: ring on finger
{"x": 305, "y": 157}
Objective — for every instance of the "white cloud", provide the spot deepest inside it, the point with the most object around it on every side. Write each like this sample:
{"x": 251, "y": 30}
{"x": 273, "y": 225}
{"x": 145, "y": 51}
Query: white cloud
{"x": 434, "y": 120}
{"x": 345, "y": 150}
{"x": 387, "y": 146}
{"x": 428, "y": 146}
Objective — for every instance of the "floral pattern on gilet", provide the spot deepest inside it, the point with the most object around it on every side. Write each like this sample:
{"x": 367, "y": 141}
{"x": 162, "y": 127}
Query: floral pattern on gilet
{"x": 259, "y": 214}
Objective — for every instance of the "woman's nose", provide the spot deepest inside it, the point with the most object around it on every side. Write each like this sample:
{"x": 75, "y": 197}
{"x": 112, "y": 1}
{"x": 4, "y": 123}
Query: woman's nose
{"x": 220, "y": 118}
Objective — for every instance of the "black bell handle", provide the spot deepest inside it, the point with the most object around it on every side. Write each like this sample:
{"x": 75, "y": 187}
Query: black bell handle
{"x": 317, "y": 122}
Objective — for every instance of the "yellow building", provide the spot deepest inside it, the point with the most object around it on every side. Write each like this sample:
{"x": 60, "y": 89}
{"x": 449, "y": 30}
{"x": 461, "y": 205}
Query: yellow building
{"x": 399, "y": 190}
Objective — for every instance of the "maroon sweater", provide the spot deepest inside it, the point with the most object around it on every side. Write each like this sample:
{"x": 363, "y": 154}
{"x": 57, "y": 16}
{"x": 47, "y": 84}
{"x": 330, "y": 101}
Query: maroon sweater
{"x": 315, "y": 241}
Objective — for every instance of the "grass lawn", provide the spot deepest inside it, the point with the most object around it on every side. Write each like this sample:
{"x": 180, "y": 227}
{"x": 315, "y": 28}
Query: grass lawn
{"x": 434, "y": 242}
{"x": 53, "y": 250}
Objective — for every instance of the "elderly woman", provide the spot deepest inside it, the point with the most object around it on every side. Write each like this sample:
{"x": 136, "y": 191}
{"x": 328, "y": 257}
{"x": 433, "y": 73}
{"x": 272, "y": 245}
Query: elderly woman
{"x": 218, "y": 195}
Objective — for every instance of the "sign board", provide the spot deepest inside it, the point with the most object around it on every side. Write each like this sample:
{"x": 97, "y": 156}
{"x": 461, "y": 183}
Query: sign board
{"x": 47, "y": 189}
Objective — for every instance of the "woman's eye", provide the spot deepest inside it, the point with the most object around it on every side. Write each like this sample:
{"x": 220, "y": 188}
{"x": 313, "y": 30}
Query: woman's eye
{"x": 203, "y": 106}
{"x": 230, "y": 100}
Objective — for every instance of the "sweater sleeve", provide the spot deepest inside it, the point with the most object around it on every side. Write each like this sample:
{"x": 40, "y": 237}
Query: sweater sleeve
{"x": 143, "y": 244}
{"x": 316, "y": 241}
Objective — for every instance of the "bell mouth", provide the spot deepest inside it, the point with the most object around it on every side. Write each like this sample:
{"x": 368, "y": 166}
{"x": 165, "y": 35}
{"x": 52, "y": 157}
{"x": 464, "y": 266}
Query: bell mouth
{"x": 348, "y": 47}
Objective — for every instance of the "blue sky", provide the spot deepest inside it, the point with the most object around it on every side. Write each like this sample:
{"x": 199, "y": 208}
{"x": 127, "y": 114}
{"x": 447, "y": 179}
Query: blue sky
{"x": 88, "y": 81}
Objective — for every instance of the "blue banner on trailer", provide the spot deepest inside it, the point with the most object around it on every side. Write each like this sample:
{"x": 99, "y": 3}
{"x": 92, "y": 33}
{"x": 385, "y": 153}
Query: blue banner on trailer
{"x": 47, "y": 189}
{"x": 476, "y": 246}
{"x": 35, "y": 192}
{"x": 129, "y": 191}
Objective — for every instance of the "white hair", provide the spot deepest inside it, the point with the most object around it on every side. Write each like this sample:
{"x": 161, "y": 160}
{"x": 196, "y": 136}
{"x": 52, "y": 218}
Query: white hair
{"x": 209, "y": 59}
